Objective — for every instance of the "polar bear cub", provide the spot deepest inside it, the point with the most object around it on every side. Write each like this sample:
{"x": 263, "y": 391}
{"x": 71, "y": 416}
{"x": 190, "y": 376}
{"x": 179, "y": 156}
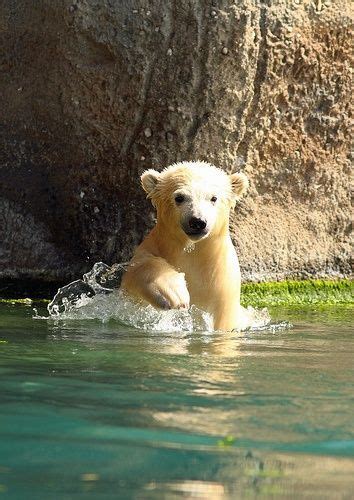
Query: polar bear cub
{"x": 188, "y": 257}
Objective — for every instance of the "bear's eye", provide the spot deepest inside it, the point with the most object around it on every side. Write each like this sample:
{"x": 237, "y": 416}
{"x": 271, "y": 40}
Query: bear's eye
{"x": 213, "y": 199}
{"x": 179, "y": 199}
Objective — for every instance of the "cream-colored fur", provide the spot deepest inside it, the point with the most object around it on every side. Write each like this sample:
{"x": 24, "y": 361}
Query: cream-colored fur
{"x": 173, "y": 269}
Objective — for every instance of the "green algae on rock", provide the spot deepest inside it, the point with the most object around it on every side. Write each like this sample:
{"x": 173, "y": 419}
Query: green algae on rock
{"x": 283, "y": 293}
{"x": 287, "y": 293}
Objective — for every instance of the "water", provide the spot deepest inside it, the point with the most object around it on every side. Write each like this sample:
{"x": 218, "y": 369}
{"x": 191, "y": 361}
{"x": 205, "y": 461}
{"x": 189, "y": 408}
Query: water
{"x": 95, "y": 409}
{"x": 97, "y": 296}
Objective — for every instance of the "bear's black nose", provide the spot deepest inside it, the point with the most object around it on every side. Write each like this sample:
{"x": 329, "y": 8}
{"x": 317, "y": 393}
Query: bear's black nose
{"x": 197, "y": 224}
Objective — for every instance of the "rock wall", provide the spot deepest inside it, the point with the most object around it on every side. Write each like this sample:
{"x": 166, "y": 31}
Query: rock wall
{"x": 92, "y": 92}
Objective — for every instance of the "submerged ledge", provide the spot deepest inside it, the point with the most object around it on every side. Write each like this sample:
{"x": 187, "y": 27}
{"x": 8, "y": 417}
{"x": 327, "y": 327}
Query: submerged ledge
{"x": 282, "y": 293}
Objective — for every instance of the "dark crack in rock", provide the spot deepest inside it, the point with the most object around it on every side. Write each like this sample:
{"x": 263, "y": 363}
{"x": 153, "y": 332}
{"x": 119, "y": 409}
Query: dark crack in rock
{"x": 94, "y": 91}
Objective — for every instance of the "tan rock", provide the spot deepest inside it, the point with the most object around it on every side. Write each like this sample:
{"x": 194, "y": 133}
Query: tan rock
{"x": 277, "y": 106}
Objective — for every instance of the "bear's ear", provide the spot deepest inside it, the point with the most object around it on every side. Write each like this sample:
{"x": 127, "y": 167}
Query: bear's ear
{"x": 239, "y": 184}
{"x": 149, "y": 181}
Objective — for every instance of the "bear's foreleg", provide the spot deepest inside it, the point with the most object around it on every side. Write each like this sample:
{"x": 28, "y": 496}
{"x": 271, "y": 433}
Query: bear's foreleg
{"x": 154, "y": 280}
{"x": 226, "y": 309}
{"x": 226, "y": 321}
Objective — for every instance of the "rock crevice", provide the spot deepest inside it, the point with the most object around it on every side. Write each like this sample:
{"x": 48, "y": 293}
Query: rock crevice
{"x": 94, "y": 92}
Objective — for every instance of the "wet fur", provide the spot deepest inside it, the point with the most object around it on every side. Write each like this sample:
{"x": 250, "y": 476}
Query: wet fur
{"x": 163, "y": 271}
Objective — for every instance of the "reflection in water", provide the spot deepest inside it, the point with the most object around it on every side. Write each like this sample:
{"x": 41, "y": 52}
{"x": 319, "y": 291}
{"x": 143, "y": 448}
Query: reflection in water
{"x": 191, "y": 489}
{"x": 103, "y": 410}
{"x": 267, "y": 475}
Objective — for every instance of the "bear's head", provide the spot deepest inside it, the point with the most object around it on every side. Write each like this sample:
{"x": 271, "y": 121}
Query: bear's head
{"x": 193, "y": 198}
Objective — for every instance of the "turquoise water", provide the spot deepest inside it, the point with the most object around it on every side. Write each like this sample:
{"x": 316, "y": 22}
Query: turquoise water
{"x": 98, "y": 410}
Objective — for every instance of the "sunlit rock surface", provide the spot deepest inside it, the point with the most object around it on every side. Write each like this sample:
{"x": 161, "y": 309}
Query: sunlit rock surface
{"x": 93, "y": 92}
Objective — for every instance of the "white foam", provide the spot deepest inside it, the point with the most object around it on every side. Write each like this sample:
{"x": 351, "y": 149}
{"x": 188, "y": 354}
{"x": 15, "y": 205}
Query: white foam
{"x": 118, "y": 306}
{"x": 75, "y": 302}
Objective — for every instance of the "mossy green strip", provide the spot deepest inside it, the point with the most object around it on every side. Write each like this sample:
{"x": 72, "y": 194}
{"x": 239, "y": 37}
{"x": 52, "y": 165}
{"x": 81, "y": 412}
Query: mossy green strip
{"x": 26, "y": 302}
{"x": 288, "y": 293}
{"x": 283, "y": 293}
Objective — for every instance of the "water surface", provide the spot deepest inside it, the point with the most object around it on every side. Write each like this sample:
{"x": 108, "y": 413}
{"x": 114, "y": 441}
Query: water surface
{"x": 100, "y": 410}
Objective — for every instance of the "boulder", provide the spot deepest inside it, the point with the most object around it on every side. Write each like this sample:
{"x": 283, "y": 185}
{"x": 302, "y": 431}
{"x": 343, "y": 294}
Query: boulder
{"x": 95, "y": 91}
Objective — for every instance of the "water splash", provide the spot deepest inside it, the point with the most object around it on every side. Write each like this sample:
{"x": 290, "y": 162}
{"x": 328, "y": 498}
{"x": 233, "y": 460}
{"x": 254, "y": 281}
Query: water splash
{"x": 101, "y": 280}
{"x": 120, "y": 307}
{"x": 97, "y": 296}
